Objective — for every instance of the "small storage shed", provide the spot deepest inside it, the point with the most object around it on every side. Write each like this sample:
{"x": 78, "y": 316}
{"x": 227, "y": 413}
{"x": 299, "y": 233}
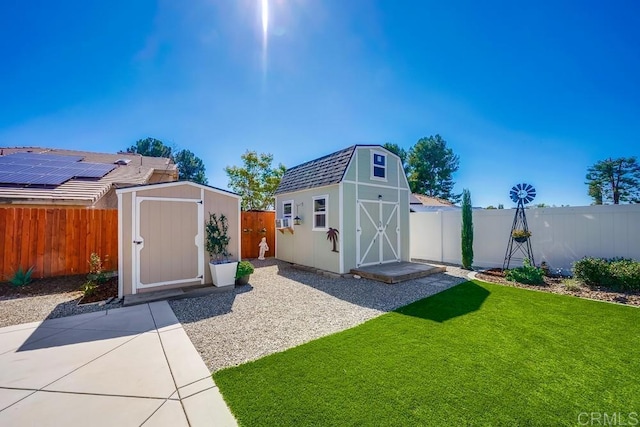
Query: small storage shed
{"x": 161, "y": 234}
{"x": 362, "y": 192}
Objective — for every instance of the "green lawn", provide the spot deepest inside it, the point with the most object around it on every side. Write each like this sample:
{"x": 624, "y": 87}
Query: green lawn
{"x": 476, "y": 354}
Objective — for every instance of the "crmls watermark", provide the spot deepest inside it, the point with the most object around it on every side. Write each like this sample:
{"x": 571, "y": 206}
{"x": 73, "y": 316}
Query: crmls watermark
{"x": 608, "y": 419}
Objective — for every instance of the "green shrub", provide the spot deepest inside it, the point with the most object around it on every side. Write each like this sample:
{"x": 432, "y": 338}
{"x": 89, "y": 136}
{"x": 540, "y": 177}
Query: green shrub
{"x": 615, "y": 273}
{"x": 571, "y": 285}
{"x": 96, "y": 270}
{"x": 626, "y": 274}
{"x": 21, "y": 277}
{"x": 527, "y": 274}
{"x": 591, "y": 271}
{"x": 89, "y": 288}
{"x": 244, "y": 269}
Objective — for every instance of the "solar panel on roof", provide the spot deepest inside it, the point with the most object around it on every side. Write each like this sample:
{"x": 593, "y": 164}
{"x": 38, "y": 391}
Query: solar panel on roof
{"x": 11, "y": 168}
{"x": 93, "y": 171}
{"x": 52, "y": 180}
{"x": 77, "y": 165}
{"x": 58, "y": 163}
{"x": 5, "y": 177}
{"x": 47, "y": 169}
{"x": 38, "y": 169}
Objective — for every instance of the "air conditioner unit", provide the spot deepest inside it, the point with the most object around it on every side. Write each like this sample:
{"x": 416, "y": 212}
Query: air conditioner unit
{"x": 283, "y": 223}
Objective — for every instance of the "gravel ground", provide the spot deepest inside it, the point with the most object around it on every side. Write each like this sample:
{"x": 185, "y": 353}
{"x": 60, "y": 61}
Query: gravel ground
{"x": 283, "y": 307}
{"x": 36, "y": 308}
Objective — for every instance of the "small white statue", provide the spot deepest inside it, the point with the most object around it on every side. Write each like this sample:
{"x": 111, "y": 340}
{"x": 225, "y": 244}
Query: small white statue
{"x": 263, "y": 247}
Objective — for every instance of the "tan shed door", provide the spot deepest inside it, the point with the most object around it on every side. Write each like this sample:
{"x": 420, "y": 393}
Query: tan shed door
{"x": 168, "y": 245}
{"x": 378, "y": 232}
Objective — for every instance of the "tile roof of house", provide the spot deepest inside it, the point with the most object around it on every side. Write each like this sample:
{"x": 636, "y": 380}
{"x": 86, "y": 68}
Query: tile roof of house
{"x": 137, "y": 171}
{"x": 421, "y": 199}
{"x": 422, "y": 203}
{"x": 89, "y": 156}
{"x": 323, "y": 171}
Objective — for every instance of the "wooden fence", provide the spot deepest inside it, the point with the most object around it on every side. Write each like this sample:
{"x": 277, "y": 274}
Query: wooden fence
{"x": 56, "y": 241}
{"x": 256, "y": 225}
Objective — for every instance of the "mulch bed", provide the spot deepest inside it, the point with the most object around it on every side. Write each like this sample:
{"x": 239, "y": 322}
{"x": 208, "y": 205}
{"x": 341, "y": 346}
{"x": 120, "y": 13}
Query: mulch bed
{"x": 556, "y": 286}
{"x": 60, "y": 285}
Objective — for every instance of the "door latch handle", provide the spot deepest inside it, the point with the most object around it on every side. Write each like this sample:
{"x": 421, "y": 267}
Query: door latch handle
{"x": 137, "y": 242}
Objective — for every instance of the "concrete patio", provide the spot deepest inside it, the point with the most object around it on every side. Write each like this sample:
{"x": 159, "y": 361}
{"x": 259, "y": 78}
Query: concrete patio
{"x": 129, "y": 366}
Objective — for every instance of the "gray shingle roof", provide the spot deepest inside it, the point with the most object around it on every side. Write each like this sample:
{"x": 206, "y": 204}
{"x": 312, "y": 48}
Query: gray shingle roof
{"x": 319, "y": 172}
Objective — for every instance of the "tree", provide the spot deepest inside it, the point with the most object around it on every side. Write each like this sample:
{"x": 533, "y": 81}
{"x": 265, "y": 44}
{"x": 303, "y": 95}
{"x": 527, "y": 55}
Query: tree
{"x": 190, "y": 167}
{"x": 400, "y": 152}
{"x": 467, "y": 230}
{"x": 432, "y": 165}
{"x": 595, "y": 191}
{"x": 614, "y": 180}
{"x": 500, "y": 206}
{"x": 150, "y": 147}
{"x": 256, "y": 181}
{"x": 490, "y": 207}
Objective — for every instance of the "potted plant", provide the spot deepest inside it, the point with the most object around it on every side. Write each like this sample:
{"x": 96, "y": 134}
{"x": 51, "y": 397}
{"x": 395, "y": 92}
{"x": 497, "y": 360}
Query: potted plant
{"x": 245, "y": 268}
{"x": 223, "y": 271}
{"x": 520, "y": 236}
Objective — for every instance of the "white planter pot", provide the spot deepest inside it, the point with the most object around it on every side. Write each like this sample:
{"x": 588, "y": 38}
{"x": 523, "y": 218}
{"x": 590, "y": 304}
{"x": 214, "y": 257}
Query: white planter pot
{"x": 224, "y": 274}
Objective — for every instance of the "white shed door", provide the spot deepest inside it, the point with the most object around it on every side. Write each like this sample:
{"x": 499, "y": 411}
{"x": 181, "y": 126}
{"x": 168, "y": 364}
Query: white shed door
{"x": 168, "y": 245}
{"x": 378, "y": 232}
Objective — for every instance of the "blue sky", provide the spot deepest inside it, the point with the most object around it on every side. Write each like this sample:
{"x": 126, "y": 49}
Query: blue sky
{"x": 522, "y": 91}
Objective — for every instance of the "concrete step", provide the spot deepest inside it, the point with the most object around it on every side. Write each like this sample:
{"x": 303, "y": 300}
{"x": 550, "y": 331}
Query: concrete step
{"x": 187, "y": 292}
{"x": 398, "y": 271}
{"x": 146, "y": 297}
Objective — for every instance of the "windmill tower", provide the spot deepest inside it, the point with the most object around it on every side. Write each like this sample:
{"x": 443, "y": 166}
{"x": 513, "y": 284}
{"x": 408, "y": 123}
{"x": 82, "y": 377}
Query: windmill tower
{"x": 521, "y": 194}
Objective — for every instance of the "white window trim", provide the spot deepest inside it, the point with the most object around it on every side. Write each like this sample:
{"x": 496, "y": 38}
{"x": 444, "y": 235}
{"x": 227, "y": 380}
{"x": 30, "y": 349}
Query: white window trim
{"x": 314, "y": 213}
{"x": 284, "y": 215}
{"x": 386, "y": 163}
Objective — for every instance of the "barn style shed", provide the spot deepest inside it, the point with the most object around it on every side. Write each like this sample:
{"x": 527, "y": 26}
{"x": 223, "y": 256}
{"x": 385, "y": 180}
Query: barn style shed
{"x": 360, "y": 191}
{"x": 161, "y": 229}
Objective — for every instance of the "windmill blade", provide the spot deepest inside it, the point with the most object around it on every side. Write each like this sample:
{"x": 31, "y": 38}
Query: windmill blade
{"x": 522, "y": 193}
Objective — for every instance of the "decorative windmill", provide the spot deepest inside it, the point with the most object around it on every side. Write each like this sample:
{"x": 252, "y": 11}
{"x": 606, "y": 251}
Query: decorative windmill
{"x": 519, "y": 241}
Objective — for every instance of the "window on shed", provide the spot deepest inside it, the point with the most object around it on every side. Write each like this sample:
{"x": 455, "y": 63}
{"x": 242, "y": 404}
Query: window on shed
{"x": 378, "y": 165}
{"x": 287, "y": 209}
{"x": 320, "y": 212}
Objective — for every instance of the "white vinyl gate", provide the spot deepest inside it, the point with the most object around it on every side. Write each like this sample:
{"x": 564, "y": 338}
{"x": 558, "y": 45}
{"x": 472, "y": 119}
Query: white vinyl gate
{"x": 378, "y": 232}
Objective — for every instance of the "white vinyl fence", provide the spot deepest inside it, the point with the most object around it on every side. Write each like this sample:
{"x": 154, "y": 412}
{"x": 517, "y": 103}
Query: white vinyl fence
{"x": 560, "y": 236}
